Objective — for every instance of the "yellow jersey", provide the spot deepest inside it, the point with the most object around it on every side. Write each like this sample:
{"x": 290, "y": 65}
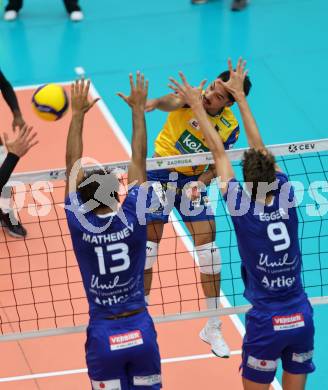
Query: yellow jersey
{"x": 181, "y": 134}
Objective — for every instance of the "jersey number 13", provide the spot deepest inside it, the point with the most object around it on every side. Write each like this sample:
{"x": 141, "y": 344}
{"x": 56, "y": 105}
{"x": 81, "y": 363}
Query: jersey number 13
{"x": 121, "y": 255}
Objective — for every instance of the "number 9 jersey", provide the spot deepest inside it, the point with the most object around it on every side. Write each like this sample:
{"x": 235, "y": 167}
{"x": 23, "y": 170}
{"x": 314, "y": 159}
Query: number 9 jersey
{"x": 268, "y": 243}
{"x": 110, "y": 250}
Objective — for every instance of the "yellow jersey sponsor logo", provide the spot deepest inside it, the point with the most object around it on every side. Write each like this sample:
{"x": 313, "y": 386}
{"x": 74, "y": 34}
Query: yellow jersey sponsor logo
{"x": 181, "y": 134}
{"x": 188, "y": 143}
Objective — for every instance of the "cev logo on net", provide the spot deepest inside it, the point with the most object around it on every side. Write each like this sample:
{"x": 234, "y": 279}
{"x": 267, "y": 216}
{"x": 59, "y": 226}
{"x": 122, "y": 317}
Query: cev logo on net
{"x": 293, "y": 148}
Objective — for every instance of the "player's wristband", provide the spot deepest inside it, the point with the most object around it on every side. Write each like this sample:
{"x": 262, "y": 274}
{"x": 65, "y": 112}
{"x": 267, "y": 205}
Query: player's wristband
{"x": 7, "y": 168}
{"x": 12, "y": 159}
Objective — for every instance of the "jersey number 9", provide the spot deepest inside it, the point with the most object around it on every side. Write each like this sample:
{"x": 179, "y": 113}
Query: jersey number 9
{"x": 278, "y": 232}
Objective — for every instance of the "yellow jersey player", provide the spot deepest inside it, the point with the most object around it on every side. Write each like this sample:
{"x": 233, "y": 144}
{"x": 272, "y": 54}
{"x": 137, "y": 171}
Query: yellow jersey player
{"x": 181, "y": 134}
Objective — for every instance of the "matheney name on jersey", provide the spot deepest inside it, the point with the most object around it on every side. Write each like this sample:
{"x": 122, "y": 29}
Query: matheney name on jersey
{"x": 106, "y": 238}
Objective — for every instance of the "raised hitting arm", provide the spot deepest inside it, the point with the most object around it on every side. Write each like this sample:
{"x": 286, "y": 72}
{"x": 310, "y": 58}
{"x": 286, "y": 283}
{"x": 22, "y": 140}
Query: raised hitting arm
{"x": 235, "y": 86}
{"x": 74, "y": 146}
{"x": 167, "y": 103}
{"x": 193, "y": 98}
{"x": 137, "y": 102}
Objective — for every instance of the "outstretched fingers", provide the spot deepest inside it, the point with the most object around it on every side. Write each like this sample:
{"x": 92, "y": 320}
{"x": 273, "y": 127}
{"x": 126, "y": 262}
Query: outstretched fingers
{"x": 132, "y": 87}
{"x": 142, "y": 84}
{"x": 81, "y": 86}
{"x": 32, "y": 144}
{"x": 184, "y": 80}
{"x": 202, "y": 84}
{"x": 86, "y": 89}
{"x": 77, "y": 88}
{"x": 122, "y": 96}
{"x": 94, "y": 101}
{"x": 27, "y": 132}
{"x": 23, "y": 131}
{"x": 176, "y": 86}
{"x": 241, "y": 65}
{"x": 72, "y": 91}
{"x": 230, "y": 67}
{"x": 146, "y": 86}
{"x": 139, "y": 79}
{"x": 30, "y": 140}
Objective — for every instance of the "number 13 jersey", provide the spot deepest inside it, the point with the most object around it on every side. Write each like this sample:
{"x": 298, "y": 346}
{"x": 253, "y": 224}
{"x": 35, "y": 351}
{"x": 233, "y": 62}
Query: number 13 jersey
{"x": 268, "y": 243}
{"x": 111, "y": 251}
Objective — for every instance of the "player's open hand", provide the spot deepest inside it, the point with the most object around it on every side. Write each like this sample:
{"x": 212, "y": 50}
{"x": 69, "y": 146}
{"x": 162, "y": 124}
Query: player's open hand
{"x": 138, "y": 92}
{"x": 79, "y": 97}
{"x": 192, "y": 96}
{"x": 24, "y": 141}
{"x": 235, "y": 84}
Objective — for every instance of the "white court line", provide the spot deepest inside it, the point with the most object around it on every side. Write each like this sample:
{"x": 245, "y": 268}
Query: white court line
{"x": 84, "y": 370}
{"x": 35, "y": 86}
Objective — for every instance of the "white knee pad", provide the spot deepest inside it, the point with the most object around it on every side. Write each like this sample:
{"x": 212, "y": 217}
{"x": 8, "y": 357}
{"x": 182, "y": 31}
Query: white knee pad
{"x": 151, "y": 254}
{"x": 209, "y": 258}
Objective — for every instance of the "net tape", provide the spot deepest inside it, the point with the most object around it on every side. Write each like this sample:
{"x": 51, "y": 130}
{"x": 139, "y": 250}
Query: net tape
{"x": 186, "y": 160}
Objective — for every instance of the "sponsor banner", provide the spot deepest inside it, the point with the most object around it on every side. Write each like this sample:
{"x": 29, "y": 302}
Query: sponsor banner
{"x": 261, "y": 364}
{"x": 107, "y": 385}
{"x": 302, "y": 357}
{"x": 292, "y": 321}
{"x": 149, "y": 380}
{"x": 125, "y": 340}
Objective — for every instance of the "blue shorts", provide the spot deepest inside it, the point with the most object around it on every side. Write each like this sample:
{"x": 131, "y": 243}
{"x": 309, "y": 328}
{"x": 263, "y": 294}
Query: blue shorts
{"x": 123, "y": 354}
{"x": 286, "y": 335}
{"x": 171, "y": 189}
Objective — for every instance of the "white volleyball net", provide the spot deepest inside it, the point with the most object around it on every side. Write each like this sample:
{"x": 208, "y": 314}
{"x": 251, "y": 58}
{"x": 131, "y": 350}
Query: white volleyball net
{"x": 41, "y": 291}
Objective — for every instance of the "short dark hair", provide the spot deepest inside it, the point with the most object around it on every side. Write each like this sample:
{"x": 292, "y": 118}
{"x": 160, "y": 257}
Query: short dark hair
{"x": 258, "y": 167}
{"x": 109, "y": 188}
{"x": 225, "y": 76}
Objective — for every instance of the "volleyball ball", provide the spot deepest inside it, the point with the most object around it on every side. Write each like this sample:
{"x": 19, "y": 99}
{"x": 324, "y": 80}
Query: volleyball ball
{"x": 50, "y": 102}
